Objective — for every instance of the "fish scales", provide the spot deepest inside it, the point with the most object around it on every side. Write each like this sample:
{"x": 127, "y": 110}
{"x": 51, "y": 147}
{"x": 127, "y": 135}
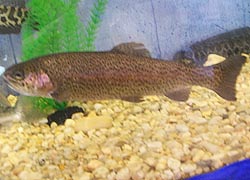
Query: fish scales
{"x": 109, "y": 75}
{"x": 227, "y": 44}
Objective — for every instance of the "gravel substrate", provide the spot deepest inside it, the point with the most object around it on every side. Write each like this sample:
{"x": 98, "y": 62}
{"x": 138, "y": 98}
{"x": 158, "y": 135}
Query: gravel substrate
{"x": 155, "y": 139}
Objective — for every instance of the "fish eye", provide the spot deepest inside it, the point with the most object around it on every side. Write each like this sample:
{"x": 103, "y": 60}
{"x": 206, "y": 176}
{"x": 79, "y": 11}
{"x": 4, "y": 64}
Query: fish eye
{"x": 19, "y": 75}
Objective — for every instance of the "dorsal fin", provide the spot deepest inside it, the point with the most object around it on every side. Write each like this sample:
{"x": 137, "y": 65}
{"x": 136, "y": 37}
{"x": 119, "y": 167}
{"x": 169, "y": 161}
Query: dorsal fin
{"x": 132, "y": 48}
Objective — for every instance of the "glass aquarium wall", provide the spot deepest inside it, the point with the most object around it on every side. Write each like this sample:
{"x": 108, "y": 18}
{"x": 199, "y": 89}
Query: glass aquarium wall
{"x": 167, "y": 99}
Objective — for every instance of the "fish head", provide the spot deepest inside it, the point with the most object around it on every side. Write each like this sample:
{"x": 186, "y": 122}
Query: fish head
{"x": 27, "y": 79}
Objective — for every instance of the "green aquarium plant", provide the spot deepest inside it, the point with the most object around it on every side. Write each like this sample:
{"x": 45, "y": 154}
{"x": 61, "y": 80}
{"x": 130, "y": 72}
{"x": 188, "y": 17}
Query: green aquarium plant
{"x": 54, "y": 26}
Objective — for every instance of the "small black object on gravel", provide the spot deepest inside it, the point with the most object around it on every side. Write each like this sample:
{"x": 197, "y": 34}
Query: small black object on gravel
{"x": 60, "y": 116}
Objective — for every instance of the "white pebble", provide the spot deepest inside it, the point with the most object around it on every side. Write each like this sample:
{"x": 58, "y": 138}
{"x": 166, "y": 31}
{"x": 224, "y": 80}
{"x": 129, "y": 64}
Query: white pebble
{"x": 155, "y": 145}
{"x": 93, "y": 164}
{"x": 123, "y": 174}
{"x": 6, "y": 149}
{"x": 101, "y": 172}
{"x": 188, "y": 168}
{"x": 137, "y": 109}
{"x": 84, "y": 176}
{"x": 182, "y": 128}
{"x": 69, "y": 123}
{"x": 24, "y": 175}
{"x": 98, "y": 106}
{"x": 210, "y": 147}
{"x": 173, "y": 164}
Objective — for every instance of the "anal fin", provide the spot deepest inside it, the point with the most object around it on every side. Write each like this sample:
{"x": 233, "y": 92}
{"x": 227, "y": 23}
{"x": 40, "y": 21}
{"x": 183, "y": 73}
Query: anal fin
{"x": 179, "y": 95}
{"x": 133, "y": 99}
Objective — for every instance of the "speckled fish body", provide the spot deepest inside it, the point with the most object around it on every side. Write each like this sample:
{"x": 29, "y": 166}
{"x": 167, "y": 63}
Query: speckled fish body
{"x": 86, "y": 76}
{"x": 228, "y": 44}
{"x": 11, "y": 18}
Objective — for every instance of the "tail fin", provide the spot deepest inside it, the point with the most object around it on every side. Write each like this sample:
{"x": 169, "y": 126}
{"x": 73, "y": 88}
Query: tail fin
{"x": 226, "y": 75}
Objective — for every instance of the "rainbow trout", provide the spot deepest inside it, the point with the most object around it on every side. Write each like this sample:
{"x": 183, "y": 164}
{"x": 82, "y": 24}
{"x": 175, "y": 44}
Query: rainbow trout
{"x": 11, "y": 18}
{"x": 227, "y": 44}
{"x": 126, "y": 72}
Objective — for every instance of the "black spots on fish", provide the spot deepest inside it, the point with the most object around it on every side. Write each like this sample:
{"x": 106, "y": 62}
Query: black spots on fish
{"x": 236, "y": 50}
{"x": 3, "y": 19}
{"x": 246, "y": 48}
{"x": 229, "y": 53}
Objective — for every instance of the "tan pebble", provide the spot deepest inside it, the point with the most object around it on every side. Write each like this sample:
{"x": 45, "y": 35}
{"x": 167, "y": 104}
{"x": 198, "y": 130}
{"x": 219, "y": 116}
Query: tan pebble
{"x": 20, "y": 129}
{"x": 154, "y": 145}
{"x": 12, "y": 100}
{"x": 79, "y": 138}
{"x": 84, "y": 176}
{"x": 69, "y": 131}
{"x": 111, "y": 176}
{"x": 61, "y": 167}
{"x": 93, "y": 164}
{"x": 227, "y": 128}
{"x": 197, "y": 119}
{"x": 231, "y": 107}
{"x": 111, "y": 163}
{"x": 127, "y": 147}
{"x": 138, "y": 175}
{"x": 161, "y": 165}
{"x": 150, "y": 161}
{"x": 5, "y": 149}
{"x": 60, "y": 138}
{"x": 123, "y": 174}
{"x": 94, "y": 122}
{"x": 177, "y": 153}
{"x": 169, "y": 174}
{"x": 142, "y": 149}
{"x": 98, "y": 107}
{"x": 106, "y": 150}
{"x": 188, "y": 168}
{"x": 173, "y": 163}
{"x": 137, "y": 109}
{"x": 213, "y": 148}
{"x": 77, "y": 116}
{"x": 182, "y": 128}
{"x": 24, "y": 175}
{"x": 197, "y": 155}
{"x": 196, "y": 139}
{"x": 117, "y": 109}
{"x": 146, "y": 127}
{"x": 217, "y": 164}
{"x": 101, "y": 172}
{"x": 206, "y": 113}
{"x": 7, "y": 166}
{"x": 173, "y": 144}
{"x": 17, "y": 170}
{"x": 232, "y": 156}
{"x": 215, "y": 120}
{"x": 53, "y": 125}
{"x": 154, "y": 107}
{"x": 69, "y": 123}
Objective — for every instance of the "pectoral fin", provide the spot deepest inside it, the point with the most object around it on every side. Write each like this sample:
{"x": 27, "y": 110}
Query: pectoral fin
{"x": 179, "y": 95}
{"x": 132, "y": 48}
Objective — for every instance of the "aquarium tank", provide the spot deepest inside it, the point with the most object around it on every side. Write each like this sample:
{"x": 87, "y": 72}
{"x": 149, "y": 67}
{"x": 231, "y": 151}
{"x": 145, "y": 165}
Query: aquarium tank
{"x": 124, "y": 90}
